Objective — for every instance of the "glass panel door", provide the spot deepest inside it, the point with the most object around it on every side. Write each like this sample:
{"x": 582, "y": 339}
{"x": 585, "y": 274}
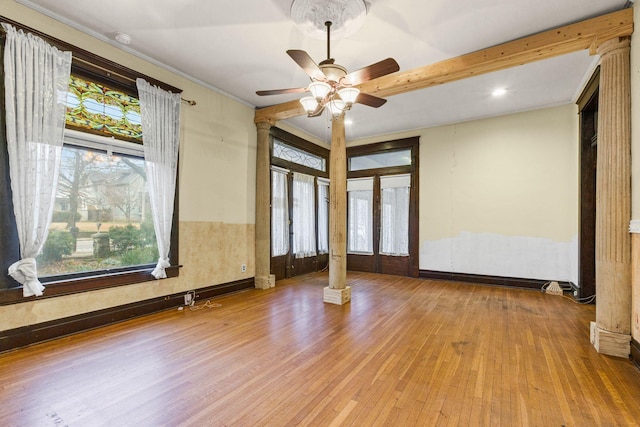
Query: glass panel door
{"x": 394, "y": 215}
{"x": 279, "y": 222}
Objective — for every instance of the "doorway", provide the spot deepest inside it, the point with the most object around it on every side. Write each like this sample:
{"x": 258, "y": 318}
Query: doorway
{"x": 588, "y": 107}
{"x": 382, "y": 211}
{"x": 299, "y": 206}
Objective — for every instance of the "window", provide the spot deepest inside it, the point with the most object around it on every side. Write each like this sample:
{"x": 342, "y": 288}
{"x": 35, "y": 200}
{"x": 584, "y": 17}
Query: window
{"x": 96, "y": 108}
{"x": 304, "y": 216}
{"x": 295, "y": 155}
{"x": 279, "y": 212}
{"x": 102, "y": 95}
{"x": 380, "y": 160}
{"x": 394, "y": 211}
{"x": 102, "y": 217}
{"x": 360, "y": 216}
{"x": 323, "y": 216}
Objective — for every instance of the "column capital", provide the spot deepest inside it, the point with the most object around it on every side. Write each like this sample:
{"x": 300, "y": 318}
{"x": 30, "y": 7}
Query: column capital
{"x": 614, "y": 44}
{"x": 265, "y": 124}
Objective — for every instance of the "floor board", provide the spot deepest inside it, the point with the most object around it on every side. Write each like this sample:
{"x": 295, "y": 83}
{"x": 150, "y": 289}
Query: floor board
{"x": 404, "y": 352}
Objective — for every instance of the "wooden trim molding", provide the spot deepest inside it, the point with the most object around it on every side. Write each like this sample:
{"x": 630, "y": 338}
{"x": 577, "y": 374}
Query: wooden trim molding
{"x": 483, "y": 279}
{"x": 635, "y": 353}
{"x": 27, "y": 335}
{"x": 84, "y": 284}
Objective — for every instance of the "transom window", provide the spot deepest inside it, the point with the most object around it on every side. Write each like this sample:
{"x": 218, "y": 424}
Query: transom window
{"x": 295, "y": 155}
{"x": 380, "y": 160}
{"x": 92, "y": 107}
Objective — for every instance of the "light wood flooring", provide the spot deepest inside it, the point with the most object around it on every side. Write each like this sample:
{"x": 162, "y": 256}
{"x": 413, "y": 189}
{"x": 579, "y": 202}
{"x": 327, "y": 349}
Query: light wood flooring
{"x": 404, "y": 352}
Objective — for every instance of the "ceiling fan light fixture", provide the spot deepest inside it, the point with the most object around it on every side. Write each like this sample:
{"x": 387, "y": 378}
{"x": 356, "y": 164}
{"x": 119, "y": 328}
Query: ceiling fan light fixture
{"x": 349, "y": 95}
{"x": 319, "y": 90}
{"x": 309, "y": 103}
{"x": 337, "y": 106}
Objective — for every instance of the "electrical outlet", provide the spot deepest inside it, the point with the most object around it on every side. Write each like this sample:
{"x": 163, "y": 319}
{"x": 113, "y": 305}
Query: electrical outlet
{"x": 188, "y": 299}
{"x": 243, "y": 268}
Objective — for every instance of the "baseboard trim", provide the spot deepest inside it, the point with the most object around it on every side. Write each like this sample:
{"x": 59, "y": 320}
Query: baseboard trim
{"x": 27, "y": 335}
{"x": 483, "y": 279}
{"x": 635, "y": 353}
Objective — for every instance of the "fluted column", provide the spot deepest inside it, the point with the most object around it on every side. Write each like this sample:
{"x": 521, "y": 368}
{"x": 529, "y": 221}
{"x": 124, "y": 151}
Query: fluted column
{"x": 610, "y": 333}
{"x": 337, "y": 292}
{"x": 263, "y": 279}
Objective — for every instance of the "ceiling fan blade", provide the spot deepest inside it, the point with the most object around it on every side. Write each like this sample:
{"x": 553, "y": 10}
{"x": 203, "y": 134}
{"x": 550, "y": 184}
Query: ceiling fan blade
{"x": 305, "y": 62}
{"x": 373, "y": 71}
{"x": 370, "y": 100}
{"x": 281, "y": 91}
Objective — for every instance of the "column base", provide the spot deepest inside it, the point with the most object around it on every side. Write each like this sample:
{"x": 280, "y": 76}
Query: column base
{"x": 265, "y": 282}
{"x": 610, "y": 343}
{"x": 337, "y": 296}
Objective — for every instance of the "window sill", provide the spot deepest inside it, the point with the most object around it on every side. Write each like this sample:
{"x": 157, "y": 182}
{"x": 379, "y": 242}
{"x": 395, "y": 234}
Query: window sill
{"x": 84, "y": 284}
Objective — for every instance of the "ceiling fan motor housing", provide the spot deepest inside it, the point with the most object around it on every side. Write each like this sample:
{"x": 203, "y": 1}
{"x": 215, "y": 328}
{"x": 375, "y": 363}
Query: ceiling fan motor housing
{"x": 333, "y": 72}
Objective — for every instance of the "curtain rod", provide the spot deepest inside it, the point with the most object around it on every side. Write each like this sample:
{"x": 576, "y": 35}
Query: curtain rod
{"x": 111, "y": 72}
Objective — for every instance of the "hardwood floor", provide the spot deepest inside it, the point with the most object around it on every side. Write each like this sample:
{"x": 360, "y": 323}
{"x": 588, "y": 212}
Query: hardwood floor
{"x": 404, "y": 352}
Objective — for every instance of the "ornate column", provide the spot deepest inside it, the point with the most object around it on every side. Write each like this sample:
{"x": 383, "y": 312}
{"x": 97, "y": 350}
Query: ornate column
{"x": 263, "y": 278}
{"x": 610, "y": 333}
{"x": 338, "y": 292}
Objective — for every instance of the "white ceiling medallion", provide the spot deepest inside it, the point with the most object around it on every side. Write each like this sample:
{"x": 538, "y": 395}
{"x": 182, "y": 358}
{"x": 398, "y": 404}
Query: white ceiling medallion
{"x": 346, "y": 16}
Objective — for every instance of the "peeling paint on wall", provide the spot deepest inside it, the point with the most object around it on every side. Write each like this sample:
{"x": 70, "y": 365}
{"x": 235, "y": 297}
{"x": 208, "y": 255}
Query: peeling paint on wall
{"x": 505, "y": 256}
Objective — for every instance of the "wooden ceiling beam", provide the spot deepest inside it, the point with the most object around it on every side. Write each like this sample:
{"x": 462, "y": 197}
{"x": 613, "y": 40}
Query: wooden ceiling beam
{"x": 570, "y": 38}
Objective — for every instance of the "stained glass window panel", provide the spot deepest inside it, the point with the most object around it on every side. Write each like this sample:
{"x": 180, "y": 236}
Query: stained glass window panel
{"x": 99, "y": 109}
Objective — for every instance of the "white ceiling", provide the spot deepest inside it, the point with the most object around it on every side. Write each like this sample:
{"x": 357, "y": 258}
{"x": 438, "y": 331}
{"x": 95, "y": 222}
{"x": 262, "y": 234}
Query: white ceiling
{"x": 238, "y": 47}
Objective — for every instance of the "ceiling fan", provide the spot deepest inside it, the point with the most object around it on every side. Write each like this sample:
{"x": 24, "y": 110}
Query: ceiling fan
{"x": 331, "y": 86}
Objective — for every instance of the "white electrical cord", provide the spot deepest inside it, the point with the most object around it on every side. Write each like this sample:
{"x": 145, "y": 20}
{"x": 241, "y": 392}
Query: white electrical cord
{"x": 207, "y": 304}
{"x": 585, "y": 300}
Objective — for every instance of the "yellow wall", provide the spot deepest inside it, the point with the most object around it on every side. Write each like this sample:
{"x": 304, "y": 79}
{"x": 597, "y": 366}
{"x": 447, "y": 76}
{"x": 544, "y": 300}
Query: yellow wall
{"x": 499, "y": 196}
{"x": 217, "y": 189}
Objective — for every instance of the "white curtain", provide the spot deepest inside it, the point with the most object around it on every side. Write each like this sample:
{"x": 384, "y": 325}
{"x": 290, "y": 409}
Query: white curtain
{"x": 394, "y": 215}
{"x": 36, "y": 82}
{"x": 279, "y": 212}
{"x": 304, "y": 218}
{"x": 323, "y": 216}
{"x": 160, "y": 115}
{"x": 360, "y": 216}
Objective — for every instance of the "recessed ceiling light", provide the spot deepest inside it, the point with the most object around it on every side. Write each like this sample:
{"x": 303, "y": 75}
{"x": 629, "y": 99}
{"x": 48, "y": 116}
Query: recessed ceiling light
{"x": 499, "y": 92}
{"x": 123, "y": 38}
